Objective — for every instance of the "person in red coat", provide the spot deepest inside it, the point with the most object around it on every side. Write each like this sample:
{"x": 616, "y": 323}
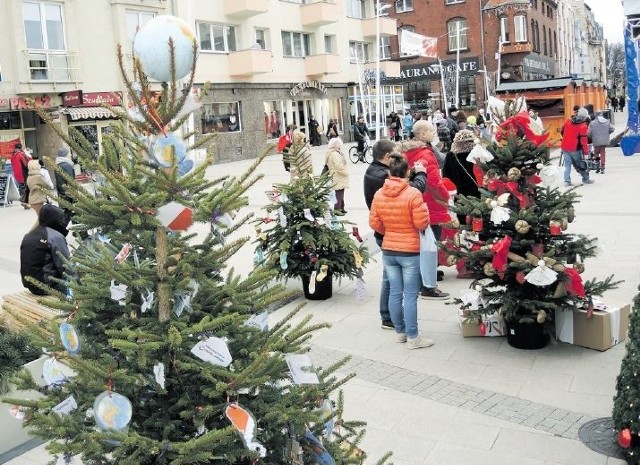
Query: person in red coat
{"x": 19, "y": 162}
{"x": 575, "y": 146}
{"x": 436, "y": 195}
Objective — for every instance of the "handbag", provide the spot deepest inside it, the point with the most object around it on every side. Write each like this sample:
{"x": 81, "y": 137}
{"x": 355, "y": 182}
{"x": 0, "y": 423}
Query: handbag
{"x": 580, "y": 165}
{"x": 325, "y": 169}
{"x": 332, "y": 132}
{"x": 428, "y": 258}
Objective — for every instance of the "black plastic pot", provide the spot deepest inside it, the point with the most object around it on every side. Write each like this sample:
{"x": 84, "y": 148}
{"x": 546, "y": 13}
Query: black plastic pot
{"x": 528, "y": 336}
{"x": 323, "y": 291}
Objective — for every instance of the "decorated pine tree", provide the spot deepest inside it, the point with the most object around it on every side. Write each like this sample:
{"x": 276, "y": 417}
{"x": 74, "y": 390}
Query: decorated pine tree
{"x": 173, "y": 354}
{"x": 516, "y": 240}
{"x": 626, "y": 403}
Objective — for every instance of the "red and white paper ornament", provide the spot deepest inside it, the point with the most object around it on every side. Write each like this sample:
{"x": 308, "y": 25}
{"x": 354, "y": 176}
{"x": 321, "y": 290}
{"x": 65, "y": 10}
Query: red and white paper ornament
{"x": 175, "y": 216}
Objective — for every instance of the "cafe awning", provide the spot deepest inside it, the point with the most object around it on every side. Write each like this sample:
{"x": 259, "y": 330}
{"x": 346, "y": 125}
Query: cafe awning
{"x": 89, "y": 113}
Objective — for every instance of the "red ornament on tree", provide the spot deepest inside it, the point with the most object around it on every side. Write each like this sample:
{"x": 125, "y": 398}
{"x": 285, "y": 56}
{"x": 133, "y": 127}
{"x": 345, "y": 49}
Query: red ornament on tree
{"x": 520, "y": 277}
{"x": 468, "y": 219}
{"x": 624, "y": 438}
{"x": 477, "y": 224}
{"x": 537, "y": 249}
{"x": 555, "y": 228}
{"x": 483, "y": 329}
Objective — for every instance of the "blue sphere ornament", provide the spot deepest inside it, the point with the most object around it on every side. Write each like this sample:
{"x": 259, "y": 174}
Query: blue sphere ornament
{"x": 168, "y": 150}
{"x": 69, "y": 338}
{"x": 151, "y": 47}
{"x": 112, "y": 411}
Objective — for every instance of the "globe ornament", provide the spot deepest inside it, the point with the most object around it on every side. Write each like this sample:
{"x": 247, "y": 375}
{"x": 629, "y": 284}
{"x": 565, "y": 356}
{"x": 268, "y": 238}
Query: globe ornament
{"x": 522, "y": 226}
{"x": 69, "y": 338}
{"x": 151, "y": 47}
{"x": 112, "y": 411}
{"x": 168, "y": 150}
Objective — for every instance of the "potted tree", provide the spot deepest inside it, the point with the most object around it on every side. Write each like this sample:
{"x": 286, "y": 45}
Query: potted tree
{"x": 304, "y": 239}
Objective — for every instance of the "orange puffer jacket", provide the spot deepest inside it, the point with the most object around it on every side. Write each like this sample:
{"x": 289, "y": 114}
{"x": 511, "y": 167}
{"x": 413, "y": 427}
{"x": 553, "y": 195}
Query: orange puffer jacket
{"x": 398, "y": 212}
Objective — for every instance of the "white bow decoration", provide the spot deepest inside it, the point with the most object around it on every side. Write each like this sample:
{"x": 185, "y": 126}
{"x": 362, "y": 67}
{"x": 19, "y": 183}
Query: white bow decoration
{"x": 541, "y": 275}
{"x": 471, "y": 298}
{"x": 500, "y": 214}
{"x": 479, "y": 154}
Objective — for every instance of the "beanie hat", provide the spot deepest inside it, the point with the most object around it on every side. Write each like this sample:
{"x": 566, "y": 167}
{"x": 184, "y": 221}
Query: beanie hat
{"x": 582, "y": 113}
{"x": 335, "y": 143}
{"x": 63, "y": 152}
{"x": 463, "y": 142}
{"x": 424, "y": 127}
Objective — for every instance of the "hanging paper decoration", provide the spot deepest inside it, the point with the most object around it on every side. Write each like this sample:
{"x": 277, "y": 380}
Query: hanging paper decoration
{"x": 66, "y": 406}
{"x": 158, "y": 373}
{"x": 541, "y": 275}
{"x": 500, "y": 214}
{"x": 69, "y": 338}
{"x": 168, "y": 150}
{"x": 243, "y": 420}
{"x": 185, "y": 166}
{"x": 259, "y": 321}
{"x": 213, "y": 350}
{"x": 52, "y": 373}
{"x": 118, "y": 292}
{"x": 112, "y": 411}
{"x": 18, "y": 412}
{"x": 124, "y": 253}
{"x": 302, "y": 369}
{"x": 308, "y": 215}
{"x": 312, "y": 446}
{"x": 471, "y": 299}
{"x": 500, "y": 250}
{"x": 175, "y": 216}
{"x": 326, "y": 412}
{"x": 282, "y": 217}
{"x": 147, "y": 301}
{"x": 479, "y": 154}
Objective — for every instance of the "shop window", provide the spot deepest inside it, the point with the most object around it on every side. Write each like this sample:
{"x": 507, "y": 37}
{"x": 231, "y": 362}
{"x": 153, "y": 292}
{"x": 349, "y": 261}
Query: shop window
{"x": 47, "y": 57}
{"x": 402, "y": 6}
{"x": 134, "y": 20}
{"x": 295, "y": 44}
{"x": 273, "y": 124}
{"x": 457, "y": 32}
{"x": 355, "y": 9}
{"x": 504, "y": 30}
{"x": 358, "y": 52}
{"x": 10, "y": 120}
{"x": 217, "y": 37}
{"x": 467, "y": 91}
{"x": 520, "y": 23}
{"x": 221, "y": 117}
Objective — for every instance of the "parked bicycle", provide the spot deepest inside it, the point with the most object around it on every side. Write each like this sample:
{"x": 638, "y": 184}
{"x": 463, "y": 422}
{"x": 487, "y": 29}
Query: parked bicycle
{"x": 365, "y": 157}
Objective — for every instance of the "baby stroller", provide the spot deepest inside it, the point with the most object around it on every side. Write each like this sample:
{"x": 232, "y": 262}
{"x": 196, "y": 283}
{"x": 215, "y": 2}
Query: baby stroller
{"x": 593, "y": 161}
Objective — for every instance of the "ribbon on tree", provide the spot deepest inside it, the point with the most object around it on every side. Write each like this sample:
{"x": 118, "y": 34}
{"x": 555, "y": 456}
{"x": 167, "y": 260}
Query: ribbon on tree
{"x": 574, "y": 285}
{"x": 500, "y": 250}
{"x": 520, "y": 126}
{"x": 512, "y": 188}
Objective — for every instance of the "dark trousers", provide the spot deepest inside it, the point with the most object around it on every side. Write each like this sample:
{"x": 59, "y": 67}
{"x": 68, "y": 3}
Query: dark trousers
{"x": 339, "y": 200}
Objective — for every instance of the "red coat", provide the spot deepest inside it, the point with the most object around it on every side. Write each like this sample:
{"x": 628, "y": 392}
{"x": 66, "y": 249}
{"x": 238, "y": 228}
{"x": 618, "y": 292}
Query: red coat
{"x": 398, "y": 212}
{"x": 574, "y": 136}
{"x": 19, "y": 162}
{"x": 436, "y": 195}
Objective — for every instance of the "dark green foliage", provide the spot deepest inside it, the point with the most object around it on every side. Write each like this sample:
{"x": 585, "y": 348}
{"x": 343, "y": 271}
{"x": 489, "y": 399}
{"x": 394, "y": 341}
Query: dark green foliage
{"x": 15, "y": 351}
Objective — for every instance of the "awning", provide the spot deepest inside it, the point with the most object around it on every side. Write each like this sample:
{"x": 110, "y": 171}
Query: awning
{"x": 89, "y": 113}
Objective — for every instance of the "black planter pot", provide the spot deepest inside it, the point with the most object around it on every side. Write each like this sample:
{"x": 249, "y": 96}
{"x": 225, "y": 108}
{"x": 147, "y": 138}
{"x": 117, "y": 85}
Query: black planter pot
{"x": 323, "y": 291}
{"x": 528, "y": 336}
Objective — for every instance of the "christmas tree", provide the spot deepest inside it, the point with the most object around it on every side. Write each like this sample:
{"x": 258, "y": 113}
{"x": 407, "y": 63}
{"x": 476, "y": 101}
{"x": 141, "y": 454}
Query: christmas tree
{"x": 515, "y": 239}
{"x": 172, "y": 354}
{"x": 303, "y": 238}
{"x": 15, "y": 351}
{"x": 626, "y": 403}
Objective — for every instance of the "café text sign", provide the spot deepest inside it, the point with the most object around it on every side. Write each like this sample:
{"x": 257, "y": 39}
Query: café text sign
{"x": 307, "y": 85}
{"x": 77, "y": 98}
{"x": 431, "y": 71}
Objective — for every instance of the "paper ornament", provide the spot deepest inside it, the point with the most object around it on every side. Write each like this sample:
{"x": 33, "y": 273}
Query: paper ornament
{"x": 112, "y": 411}
{"x": 151, "y": 47}
{"x": 124, "y": 253}
{"x": 118, "y": 292}
{"x": 213, "y": 350}
{"x": 66, "y": 406}
{"x": 326, "y": 410}
{"x": 541, "y": 275}
{"x": 243, "y": 420}
{"x": 158, "y": 373}
{"x": 147, "y": 301}
{"x": 500, "y": 214}
{"x": 302, "y": 369}
{"x": 175, "y": 216}
{"x": 471, "y": 299}
{"x": 168, "y": 150}
{"x": 69, "y": 338}
{"x": 259, "y": 321}
{"x": 18, "y": 412}
{"x": 52, "y": 373}
{"x": 282, "y": 217}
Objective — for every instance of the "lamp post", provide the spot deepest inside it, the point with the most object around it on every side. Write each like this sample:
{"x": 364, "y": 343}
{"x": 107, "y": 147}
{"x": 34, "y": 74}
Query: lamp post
{"x": 380, "y": 8}
{"x": 458, "y": 31}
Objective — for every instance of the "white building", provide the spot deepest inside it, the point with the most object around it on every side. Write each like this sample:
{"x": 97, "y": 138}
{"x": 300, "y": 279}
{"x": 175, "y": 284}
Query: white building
{"x": 269, "y": 62}
{"x": 589, "y": 42}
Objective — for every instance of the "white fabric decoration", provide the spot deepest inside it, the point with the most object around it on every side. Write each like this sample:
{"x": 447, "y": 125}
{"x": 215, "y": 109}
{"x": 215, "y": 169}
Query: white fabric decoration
{"x": 471, "y": 297}
{"x": 541, "y": 275}
{"x": 479, "y": 153}
{"x": 500, "y": 214}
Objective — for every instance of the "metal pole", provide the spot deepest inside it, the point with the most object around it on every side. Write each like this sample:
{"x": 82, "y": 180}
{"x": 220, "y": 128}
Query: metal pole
{"x": 457, "y": 101}
{"x": 499, "y": 61}
{"x": 378, "y": 11}
{"x": 443, "y": 90}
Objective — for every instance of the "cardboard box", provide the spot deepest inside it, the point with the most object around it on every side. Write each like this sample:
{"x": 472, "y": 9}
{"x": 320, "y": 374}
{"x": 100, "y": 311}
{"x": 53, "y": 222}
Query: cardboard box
{"x": 493, "y": 326}
{"x": 605, "y": 329}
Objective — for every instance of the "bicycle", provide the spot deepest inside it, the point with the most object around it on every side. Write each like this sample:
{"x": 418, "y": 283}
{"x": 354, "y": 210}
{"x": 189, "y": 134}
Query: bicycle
{"x": 365, "y": 157}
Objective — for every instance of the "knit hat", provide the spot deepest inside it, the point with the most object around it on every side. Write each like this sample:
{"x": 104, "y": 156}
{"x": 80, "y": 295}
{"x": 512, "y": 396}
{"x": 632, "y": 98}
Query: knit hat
{"x": 583, "y": 114}
{"x": 335, "y": 143}
{"x": 463, "y": 142}
{"x": 63, "y": 152}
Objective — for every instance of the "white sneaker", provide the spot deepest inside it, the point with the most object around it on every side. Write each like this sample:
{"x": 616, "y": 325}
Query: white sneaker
{"x": 401, "y": 337}
{"x": 419, "y": 342}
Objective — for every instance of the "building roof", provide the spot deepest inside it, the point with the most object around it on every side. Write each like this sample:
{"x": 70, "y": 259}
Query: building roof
{"x": 491, "y": 4}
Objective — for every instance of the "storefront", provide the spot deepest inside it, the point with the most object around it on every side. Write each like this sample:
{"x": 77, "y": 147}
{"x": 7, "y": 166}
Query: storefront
{"x": 363, "y": 101}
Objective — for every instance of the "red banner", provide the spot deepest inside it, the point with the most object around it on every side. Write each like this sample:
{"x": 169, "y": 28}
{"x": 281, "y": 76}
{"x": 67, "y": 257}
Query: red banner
{"x": 7, "y": 146}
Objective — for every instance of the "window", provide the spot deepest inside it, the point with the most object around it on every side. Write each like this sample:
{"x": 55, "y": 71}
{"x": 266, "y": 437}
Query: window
{"x": 451, "y": 2}
{"x": 385, "y": 48}
{"x": 355, "y": 9}
{"x": 330, "y": 44}
{"x": 555, "y": 44}
{"x": 220, "y": 117}
{"x": 295, "y": 44}
{"x": 402, "y": 6}
{"x": 544, "y": 39}
{"x": 134, "y": 20}
{"x": 457, "y": 31}
{"x": 520, "y": 23}
{"x": 358, "y": 52}
{"x": 217, "y": 37}
{"x": 44, "y": 36}
{"x": 504, "y": 29}
{"x": 262, "y": 38}
{"x": 409, "y": 29}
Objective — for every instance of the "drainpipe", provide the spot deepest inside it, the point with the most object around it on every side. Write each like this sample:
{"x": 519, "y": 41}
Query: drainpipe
{"x": 484, "y": 60}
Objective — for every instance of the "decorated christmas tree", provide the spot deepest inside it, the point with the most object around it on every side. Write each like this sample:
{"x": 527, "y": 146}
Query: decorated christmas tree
{"x": 301, "y": 237}
{"x": 515, "y": 240}
{"x": 173, "y": 356}
{"x": 626, "y": 403}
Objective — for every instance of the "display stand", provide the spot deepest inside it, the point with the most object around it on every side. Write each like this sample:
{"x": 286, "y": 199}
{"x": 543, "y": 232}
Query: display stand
{"x": 8, "y": 190}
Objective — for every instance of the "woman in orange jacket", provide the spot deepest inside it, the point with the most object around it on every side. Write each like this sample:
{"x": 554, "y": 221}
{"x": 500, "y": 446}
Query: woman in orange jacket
{"x": 399, "y": 213}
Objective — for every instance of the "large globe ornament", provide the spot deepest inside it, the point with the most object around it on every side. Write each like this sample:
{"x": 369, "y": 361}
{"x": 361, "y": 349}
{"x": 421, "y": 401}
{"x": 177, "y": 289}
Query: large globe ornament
{"x": 112, "y": 411}
{"x": 151, "y": 47}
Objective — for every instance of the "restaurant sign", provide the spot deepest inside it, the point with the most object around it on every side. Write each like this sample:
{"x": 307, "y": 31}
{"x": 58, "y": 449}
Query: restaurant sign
{"x": 77, "y": 98}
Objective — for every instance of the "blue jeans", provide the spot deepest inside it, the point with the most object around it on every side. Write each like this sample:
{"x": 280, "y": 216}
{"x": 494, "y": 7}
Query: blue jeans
{"x": 385, "y": 289}
{"x": 569, "y": 159}
{"x": 405, "y": 281}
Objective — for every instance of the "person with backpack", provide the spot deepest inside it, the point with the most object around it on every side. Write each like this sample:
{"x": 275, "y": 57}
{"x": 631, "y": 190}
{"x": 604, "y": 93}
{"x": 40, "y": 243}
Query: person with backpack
{"x": 599, "y": 131}
{"x": 19, "y": 166}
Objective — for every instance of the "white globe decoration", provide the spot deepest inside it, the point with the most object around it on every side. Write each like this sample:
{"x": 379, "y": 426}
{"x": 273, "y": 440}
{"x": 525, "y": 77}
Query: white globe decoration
{"x": 151, "y": 47}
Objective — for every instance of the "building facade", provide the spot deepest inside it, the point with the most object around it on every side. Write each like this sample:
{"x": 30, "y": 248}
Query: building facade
{"x": 589, "y": 46}
{"x": 263, "y": 64}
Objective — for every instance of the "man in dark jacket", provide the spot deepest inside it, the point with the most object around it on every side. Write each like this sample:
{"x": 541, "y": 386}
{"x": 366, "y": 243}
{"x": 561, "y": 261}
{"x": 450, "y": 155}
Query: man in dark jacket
{"x": 63, "y": 161}
{"x": 360, "y": 133}
{"x": 374, "y": 177}
{"x": 43, "y": 251}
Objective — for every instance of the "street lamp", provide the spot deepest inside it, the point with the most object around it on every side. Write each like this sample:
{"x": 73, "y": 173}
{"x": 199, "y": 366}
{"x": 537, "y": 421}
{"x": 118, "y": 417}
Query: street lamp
{"x": 380, "y": 8}
{"x": 458, "y": 31}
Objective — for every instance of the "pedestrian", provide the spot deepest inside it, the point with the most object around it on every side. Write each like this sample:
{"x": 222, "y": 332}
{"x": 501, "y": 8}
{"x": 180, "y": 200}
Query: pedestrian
{"x": 599, "y": 131}
{"x": 314, "y": 135}
{"x": 481, "y": 121}
{"x": 300, "y": 154}
{"x": 395, "y": 127}
{"x": 39, "y": 184}
{"x": 407, "y": 125}
{"x": 461, "y": 120}
{"x": 536, "y": 122}
{"x": 436, "y": 195}
{"x": 337, "y": 164}
{"x": 284, "y": 145}
{"x": 459, "y": 169}
{"x": 575, "y": 146}
{"x": 65, "y": 165}
{"x": 621, "y": 102}
{"x": 451, "y": 121}
{"x": 399, "y": 213}
{"x": 19, "y": 166}
{"x": 332, "y": 129}
{"x": 43, "y": 250}
{"x": 374, "y": 178}
{"x": 360, "y": 134}
{"x": 614, "y": 103}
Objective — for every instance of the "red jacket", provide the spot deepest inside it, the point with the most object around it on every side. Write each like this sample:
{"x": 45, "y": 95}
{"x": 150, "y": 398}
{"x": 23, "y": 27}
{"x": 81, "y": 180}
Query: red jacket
{"x": 398, "y": 212}
{"x": 574, "y": 136}
{"x": 19, "y": 162}
{"x": 436, "y": 195}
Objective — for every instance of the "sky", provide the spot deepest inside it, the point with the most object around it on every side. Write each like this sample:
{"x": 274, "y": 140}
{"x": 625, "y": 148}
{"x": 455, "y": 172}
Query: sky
{"x": 609, "y": 14}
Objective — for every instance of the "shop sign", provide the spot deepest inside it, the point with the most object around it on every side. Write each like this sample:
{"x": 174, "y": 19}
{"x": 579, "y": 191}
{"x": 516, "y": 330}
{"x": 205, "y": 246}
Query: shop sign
{"x": 29, "y": 103}
{"x": 308, "y": 85}
{"x": 431, "y": 71}
{"x": 516, "y": 48}
{"x": 72, "y": 99}
{"x": 534, "y": 63}
{"x": 5, "y": 103}
{"x": 95, "y": 99}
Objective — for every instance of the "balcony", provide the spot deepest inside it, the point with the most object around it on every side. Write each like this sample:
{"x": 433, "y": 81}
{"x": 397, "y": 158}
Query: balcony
{"x": 319, "y": 13}
{"x": 249, "y": 62}
{"x": 391, "y": 69}
{"x": 47, "y": 71}
{"x": 318, "y": 65}
{"x": 388, "y": 27}
{"x": 244, "y": 8}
